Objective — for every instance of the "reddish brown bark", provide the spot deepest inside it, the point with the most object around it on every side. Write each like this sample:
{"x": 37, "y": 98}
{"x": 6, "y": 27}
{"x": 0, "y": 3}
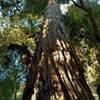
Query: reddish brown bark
{"x": 56, "y": 73}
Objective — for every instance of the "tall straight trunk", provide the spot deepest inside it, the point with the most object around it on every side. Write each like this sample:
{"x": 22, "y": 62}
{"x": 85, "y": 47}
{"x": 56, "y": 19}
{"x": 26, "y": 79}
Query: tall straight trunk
{"x": 56, "y": 73}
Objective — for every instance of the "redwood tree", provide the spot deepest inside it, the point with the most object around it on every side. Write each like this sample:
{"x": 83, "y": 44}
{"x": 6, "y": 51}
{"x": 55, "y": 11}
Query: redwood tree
{"x": 56, "y": 72}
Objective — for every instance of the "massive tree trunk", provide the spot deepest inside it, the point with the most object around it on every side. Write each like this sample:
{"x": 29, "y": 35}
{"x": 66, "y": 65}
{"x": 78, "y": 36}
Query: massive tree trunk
{"x": 56, "y": 73}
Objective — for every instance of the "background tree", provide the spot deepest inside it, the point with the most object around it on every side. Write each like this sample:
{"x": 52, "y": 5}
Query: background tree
{"x": 82, "y": 5}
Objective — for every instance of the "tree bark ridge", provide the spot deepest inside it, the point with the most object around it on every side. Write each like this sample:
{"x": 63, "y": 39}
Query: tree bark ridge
{"x": 56, "y": 73}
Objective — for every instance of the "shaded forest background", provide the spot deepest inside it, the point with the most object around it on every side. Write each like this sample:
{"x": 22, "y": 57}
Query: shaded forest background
{"x": 20, "y": 28}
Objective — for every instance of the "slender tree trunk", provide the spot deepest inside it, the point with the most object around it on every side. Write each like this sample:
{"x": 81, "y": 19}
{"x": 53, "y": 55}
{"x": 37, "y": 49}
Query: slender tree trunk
{"x": 56, "y": 73}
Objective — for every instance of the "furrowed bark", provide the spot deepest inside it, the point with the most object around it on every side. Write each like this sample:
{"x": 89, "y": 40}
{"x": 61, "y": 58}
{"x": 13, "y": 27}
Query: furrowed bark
{"x": 56, "y": 73}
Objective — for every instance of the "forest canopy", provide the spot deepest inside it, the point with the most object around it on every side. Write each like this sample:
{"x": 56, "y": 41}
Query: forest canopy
{"x": 22, "y": 25}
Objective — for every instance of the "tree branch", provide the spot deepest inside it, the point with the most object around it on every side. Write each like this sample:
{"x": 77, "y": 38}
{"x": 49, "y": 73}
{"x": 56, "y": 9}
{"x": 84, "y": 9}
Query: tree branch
{"x": 79, "y": 6}
{"x": 82, "y": 3}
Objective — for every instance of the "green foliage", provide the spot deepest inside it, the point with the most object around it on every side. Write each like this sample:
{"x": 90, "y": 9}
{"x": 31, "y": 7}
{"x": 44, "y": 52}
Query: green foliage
{"x": 96, "y": 11}
{"x": 11, "y": 76}
{"x": 36, "y": 6}
{"x": 6, "y": 89}
{"x": 76, "y": 19}
{"x": 22, "y": 26}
